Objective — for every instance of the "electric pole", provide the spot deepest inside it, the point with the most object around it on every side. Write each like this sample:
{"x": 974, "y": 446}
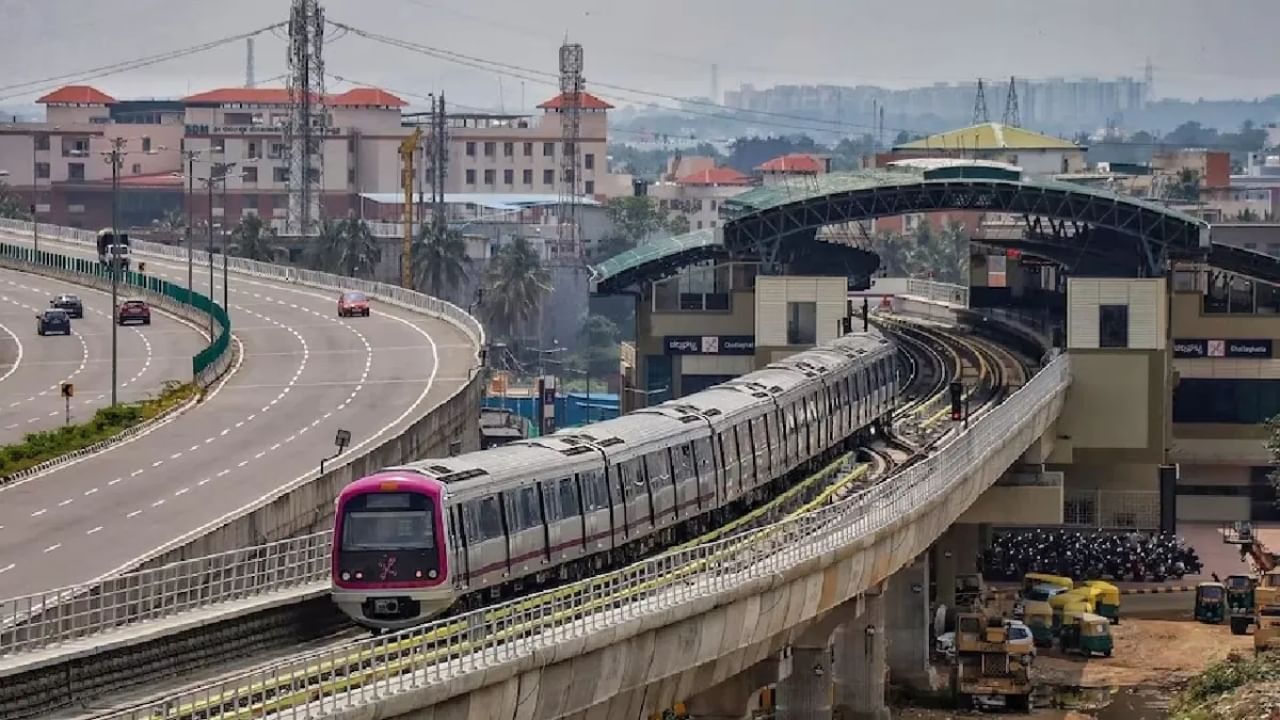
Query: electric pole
{"x": 115, "y": 157}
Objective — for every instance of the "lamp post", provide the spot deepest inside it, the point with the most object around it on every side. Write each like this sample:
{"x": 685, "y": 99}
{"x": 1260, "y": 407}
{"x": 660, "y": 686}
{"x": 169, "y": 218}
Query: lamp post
{"x": 115, "y": 157}
{"x": 35, "y": 195}
{"x": 190, "y": 156}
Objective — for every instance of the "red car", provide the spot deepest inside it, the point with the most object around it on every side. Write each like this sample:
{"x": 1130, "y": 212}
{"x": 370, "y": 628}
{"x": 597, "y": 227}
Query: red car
{"x": 133, "y": 311}
{"x": 353, "y": 303}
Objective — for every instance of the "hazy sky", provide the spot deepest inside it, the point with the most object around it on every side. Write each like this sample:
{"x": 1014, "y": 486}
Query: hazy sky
{"x": 1200, "y": 48}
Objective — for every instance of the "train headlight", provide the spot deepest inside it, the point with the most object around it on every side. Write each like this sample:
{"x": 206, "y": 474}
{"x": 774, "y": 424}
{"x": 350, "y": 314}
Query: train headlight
{"x": 359, "y": 576}
{"x": 432, "y": 574}
{"x": 346, "y": 576}
{"x": 417, "y": 574}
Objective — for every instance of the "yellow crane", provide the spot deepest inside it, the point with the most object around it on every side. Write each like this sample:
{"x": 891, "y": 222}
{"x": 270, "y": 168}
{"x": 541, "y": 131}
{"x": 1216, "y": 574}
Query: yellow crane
{"x": 407, "y": 149}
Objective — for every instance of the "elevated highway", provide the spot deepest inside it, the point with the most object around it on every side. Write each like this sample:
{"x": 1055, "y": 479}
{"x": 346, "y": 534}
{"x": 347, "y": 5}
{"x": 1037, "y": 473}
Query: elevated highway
{"x": 33, "y": 367}
{"x": 302, "y": 374}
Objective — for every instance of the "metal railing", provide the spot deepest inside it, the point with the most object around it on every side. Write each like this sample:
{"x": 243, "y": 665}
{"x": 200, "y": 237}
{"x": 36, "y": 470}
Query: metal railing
{"x": 206, "y": 365}
{"x": 938, "y": 291}
{"x": 369, "y": 671}
{"x": 96, "y": 606}
{"x": 402, "y": 297}
{"x": 41, "y": 620}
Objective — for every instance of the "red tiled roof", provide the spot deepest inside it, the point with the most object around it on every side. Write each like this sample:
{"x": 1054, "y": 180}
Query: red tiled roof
{"x": 588, "y": 102}
{"x": 365, "y": 97}
{"x": 715, "y": 176}
{"x": 77, "y": 95}
{"x": 795, "y": 162}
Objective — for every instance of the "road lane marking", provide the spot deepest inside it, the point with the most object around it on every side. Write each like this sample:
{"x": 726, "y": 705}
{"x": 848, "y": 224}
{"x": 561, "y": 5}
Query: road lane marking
{"x": 53, "y": 547}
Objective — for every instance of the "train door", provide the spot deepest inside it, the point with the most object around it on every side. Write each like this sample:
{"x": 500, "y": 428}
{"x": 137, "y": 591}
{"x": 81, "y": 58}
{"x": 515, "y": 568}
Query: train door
{"x": 550, "y": 506}
{"x": 658, "y": 468}
{"x": 704, "y": 459}
{"x": 596, "y": 505}
{"x": 458, "y": 541}
{"x": 490, "y": 554}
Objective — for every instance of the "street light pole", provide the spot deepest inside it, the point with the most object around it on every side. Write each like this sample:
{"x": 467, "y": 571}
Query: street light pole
{"x": 209, "y": 184}
{"x": 35, "y": 196}
{"x": 191, "y": 173}
{"x": 114, "y": 157}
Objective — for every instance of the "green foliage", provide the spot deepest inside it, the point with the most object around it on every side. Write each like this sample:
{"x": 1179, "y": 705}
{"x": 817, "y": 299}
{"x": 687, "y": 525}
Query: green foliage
{"x": 748, "y": 153}
{"x": 440, "y": 261}
{"x": 12, "y": 206}
{"x": 600, "y": 345}
{"x": 38, "y": 447}
{"x": 636, "y": 218}
{"x": 651, "y": 164}
{"x": 925, "y": 251}
{"x": 1221, "y": 678}
{"x": 516, "y": 284}
{"x": 254, "y": 239}
{"x": 346, "y": 247}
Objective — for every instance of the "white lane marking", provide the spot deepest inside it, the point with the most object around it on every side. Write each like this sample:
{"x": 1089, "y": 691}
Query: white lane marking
{"x": 16, "y": 361}
{"x": 136, "y": 473}
{"x": 182, "y": 492}
{"x": 7, "y": 568}
{"x": 39, "y": 512}
{"x": 113, "y": 482}
{"x": 94, "y": 530}
{"x": 66, "y": 502}
{"x": 53, "y": 547}
{"x": 133, "y": 514}
{"x": 90, "y": 491}
{"x": 158, "y": 503}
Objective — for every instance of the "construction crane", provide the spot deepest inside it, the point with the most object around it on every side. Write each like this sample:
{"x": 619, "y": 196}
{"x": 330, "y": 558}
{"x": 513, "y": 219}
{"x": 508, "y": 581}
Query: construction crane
{"x": 407, "y": 149}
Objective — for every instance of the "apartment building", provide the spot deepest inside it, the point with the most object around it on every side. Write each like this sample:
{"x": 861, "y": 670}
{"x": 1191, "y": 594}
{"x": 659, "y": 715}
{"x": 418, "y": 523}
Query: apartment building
{"x": 695, "y": 188}
{"x": 59, "y": 166}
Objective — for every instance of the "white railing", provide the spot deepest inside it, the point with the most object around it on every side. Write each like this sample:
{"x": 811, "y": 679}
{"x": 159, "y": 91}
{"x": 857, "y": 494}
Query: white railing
{"x": 938, "y": 291}
{"x": 17, "y": 613}
{"x": 392, "y": 294}
{"x": 41, "y": 620}
{"x": 369, "y": 671}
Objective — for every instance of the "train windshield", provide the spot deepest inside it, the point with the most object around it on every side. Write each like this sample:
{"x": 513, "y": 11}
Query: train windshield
{"x": 388, "y": 521}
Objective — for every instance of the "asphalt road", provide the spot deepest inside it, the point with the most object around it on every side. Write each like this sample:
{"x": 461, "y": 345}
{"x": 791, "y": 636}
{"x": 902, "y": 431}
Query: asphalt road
{"x": 32, "y": 368}
{"x": 305, "y": 374}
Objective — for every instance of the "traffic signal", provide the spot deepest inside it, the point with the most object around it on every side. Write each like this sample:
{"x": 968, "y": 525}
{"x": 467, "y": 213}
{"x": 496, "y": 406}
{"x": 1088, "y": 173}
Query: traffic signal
{"x": 957, "y": 401}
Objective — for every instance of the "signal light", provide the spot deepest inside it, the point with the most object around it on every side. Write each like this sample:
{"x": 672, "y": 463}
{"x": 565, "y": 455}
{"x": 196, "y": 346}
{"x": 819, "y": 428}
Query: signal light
{"x": 957, "y": 401}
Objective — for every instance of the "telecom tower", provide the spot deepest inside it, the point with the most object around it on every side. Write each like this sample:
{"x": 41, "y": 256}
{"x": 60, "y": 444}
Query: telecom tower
{"x": 571, "y": 88}
{"x": 1011, "y": 114}
{"x": 305, "y": 130}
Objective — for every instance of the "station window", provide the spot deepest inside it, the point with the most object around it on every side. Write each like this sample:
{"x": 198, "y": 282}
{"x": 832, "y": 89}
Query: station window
{"x": 1235, "y": 402}
{"x": 802, "y": 323}
{"x": 1113, "y": 326}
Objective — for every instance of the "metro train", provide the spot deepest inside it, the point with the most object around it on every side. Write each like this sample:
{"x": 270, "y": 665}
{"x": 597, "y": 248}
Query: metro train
{"x": 411, "y": 542}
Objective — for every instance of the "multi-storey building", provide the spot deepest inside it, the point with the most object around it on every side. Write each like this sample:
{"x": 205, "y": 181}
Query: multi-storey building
{"x": 59, "y": 166}
{"x": 693, "y": 187}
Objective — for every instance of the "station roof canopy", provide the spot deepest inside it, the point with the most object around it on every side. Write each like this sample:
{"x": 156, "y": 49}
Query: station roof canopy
{"x": 989, "y": 136}
{"x": 655, "y": 259}
{"x": 490, "y": 201}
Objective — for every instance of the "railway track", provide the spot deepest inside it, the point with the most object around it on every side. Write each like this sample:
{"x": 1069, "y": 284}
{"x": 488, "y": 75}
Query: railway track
{"x": 290, "y": 683}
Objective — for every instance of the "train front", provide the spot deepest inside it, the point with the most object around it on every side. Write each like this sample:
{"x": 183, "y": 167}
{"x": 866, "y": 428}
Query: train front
{"x": 390, "y": 563}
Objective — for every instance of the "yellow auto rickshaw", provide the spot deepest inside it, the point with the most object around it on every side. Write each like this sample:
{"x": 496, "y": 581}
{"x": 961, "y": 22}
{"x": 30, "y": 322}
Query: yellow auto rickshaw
{"x": 1038, "y": 616}
{"x": 1030, "y": 580}
{"x": 1085, "y": 633}
{"x": 1061, "y": 603}
{"x": 1108, "y": 599}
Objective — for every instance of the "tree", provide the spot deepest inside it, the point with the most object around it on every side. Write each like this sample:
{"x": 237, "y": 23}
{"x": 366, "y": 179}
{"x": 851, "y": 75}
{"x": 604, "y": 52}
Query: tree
{"x": 12, "y": 206}
{"x": 171, "y": 225}
{"x": 636, "y": 218}
{"x": 600, "y": 345}
{"x": 1186, "y": 185}
{"x": 517, "y": 283}
{"x": 347, "y": 247}
{"x": 326, "y": 251}
{"x": 748, "y": 153}
{"x": 254, "y": 240}
{"x": 678, "y": 224}
{"x": 440, "y": 261}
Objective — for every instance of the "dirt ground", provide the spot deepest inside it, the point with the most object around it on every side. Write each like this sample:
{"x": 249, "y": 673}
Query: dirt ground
{"x": 1157, "y": 655}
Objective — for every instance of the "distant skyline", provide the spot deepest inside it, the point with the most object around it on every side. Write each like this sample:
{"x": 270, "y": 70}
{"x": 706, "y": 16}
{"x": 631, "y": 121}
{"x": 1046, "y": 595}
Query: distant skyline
{"x": 1199, "y": 49}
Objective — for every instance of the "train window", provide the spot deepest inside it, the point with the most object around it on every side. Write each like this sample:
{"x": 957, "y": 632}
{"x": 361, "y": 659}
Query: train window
{"x": 702, "y": 457}
{"x": 659, "y": 469}
{"x": 593, "y": 489}
{"x": 746, "y": 453}
{"x": 490, "y": 519}
{"x": 530, "y": 510}
{"x": 551, "y": 502}
{"x": 568, "y": 499}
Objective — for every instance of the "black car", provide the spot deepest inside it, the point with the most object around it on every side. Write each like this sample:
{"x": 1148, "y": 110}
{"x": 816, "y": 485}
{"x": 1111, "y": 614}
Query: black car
{"x": 53, "y": 320}
{"x": 70, "y": 303}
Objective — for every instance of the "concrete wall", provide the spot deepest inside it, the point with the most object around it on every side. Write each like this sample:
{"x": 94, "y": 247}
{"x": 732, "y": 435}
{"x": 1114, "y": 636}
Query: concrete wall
{"x": 1031, "y": 505}
{"x": 649, "y": 664}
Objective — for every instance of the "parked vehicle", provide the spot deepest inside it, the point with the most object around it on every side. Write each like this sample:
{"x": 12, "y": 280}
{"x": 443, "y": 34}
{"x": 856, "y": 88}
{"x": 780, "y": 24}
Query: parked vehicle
{"x": 1086, "y": 633}
{"x": 1240, "y": 602}
{"x": 70, "y": 303}
{"x": 53, "y": 321}
{"x": 1107, "y": 599}
{"x": 1039, "y": 617}
{"x": 133, "y": 311}
{"x": 1210, "y": 602}
{"x": 353, "y": 303}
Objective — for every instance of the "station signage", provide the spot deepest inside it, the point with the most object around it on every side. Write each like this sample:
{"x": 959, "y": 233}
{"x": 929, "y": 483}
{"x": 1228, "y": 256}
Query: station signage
{"x": 1237, "y": 348}
{"x": 709, "y": 344}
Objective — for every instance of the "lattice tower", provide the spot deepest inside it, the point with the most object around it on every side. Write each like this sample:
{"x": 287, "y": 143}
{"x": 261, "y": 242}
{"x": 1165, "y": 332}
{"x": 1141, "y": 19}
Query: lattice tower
{"x": 308, "y": 122}
{"x": 980, "y": 114}
{"x": 571, "y": 88}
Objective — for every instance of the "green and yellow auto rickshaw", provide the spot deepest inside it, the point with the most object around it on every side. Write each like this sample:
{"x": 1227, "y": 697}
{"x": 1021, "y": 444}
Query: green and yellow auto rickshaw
{"x": 1211, "y": 602}
{"x": 1108, "y": 599}
{"x": 1240, "y": 602}
{"x": 1086, "y": 633}
{"x": 1058, "y": 603}
{"x": 1038, "y": 616}
{"x": 1030, "y": 580}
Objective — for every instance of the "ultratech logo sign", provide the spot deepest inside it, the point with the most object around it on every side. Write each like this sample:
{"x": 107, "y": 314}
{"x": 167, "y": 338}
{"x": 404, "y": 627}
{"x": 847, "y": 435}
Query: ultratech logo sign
{"x": 1197, "y": 348}
{"x": 709, "y": 345}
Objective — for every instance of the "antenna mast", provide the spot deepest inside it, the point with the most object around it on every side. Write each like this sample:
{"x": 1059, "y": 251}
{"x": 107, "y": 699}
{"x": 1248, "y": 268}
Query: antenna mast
{"x": 571, "y": 87}
{"x": 248, "y": 63}
{"x": 306, "y": 128}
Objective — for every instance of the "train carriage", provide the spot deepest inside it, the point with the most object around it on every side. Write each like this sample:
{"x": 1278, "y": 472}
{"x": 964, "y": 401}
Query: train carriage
{"x": 565, "y": 505}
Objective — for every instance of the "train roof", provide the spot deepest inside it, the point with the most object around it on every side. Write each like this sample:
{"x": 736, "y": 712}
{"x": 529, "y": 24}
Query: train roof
{"x": 373, "y": 482}
{"x": 493, "y": 469}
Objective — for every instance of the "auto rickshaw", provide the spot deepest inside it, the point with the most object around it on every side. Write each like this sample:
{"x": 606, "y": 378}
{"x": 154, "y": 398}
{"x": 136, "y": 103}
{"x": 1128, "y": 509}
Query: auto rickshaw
{"x": 1060, "y": 603}
{"x": 1086, "y": 633}
{"x": 1240, "y": 602}
{"x": 1030, "y": 580}
{"x": 1038, "y": 616}
{"x": 1211, "y": 602}
{"x": 1108, "y": 599}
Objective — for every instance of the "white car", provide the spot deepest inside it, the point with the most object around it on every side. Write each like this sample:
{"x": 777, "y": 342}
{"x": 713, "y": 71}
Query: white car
{"x": 1021, "y": 641}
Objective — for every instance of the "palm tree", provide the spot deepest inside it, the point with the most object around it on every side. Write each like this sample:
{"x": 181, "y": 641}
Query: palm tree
{"x": 254, "y": 240}
{"x": 325, "y": 253}
{"x": 362, "y": 253}
{"x": 171, "y": 225}
{"x": 440, "y": 261}
{"x": 516, "y": 284}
